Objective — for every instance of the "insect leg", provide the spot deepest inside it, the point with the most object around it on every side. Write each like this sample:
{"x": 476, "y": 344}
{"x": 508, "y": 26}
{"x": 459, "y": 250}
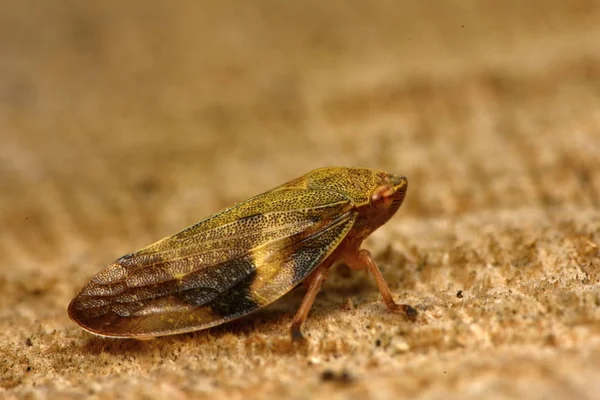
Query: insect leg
{"x": 362, "y": 259}
{"x": 314, "y": 281}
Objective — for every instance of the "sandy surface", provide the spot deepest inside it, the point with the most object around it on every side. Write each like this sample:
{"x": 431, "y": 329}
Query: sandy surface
{"x": 123, "y": 122}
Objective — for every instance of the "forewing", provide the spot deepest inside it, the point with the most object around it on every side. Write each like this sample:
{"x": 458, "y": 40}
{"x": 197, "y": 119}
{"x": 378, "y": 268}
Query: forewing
{"x": 219, "y": 269}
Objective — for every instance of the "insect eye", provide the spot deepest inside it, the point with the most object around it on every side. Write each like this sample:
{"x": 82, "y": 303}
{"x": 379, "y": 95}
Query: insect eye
{"x": 382, "y": 197}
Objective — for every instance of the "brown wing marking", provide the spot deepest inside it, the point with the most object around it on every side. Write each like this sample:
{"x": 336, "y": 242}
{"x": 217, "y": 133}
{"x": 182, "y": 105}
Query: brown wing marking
{"x": 207, "y": 287}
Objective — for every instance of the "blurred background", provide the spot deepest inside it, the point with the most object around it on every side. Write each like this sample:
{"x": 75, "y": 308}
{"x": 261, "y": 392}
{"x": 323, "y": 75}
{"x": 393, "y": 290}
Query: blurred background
{"x": 121, "y": 122}
{"x": 124, "y": 121}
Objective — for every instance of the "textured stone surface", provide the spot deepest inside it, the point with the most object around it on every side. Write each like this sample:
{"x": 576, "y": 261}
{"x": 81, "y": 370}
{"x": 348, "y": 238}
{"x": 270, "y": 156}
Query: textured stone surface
{"x": 122, "y": 122}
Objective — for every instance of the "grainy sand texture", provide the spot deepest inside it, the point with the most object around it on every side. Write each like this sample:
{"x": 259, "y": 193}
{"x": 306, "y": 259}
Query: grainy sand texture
{"x": 122, "y": 122}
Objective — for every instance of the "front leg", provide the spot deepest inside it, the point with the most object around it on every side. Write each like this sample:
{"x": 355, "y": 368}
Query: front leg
{"x": 362, "y": 259}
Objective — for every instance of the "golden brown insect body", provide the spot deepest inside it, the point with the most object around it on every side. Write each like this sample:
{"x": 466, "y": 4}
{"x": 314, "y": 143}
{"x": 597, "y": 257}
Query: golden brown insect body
{"x": 245, "y": 257}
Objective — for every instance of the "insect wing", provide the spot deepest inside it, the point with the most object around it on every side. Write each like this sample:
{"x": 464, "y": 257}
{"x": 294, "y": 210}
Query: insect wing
{"x": 219, "y": 269}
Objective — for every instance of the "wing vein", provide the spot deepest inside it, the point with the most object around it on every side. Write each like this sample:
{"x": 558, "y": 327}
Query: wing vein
{"x": 332, "y": 225}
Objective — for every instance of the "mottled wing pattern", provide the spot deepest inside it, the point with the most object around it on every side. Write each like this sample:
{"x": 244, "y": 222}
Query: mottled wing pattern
{"x": 219, "y": 269}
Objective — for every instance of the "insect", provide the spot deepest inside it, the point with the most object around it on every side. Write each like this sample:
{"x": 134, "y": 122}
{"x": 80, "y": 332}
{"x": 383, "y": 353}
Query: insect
{"x": 245, "y": 257}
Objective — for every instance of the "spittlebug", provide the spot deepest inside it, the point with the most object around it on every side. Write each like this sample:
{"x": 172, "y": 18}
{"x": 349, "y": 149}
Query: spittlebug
{"x": 245, "y": 257}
